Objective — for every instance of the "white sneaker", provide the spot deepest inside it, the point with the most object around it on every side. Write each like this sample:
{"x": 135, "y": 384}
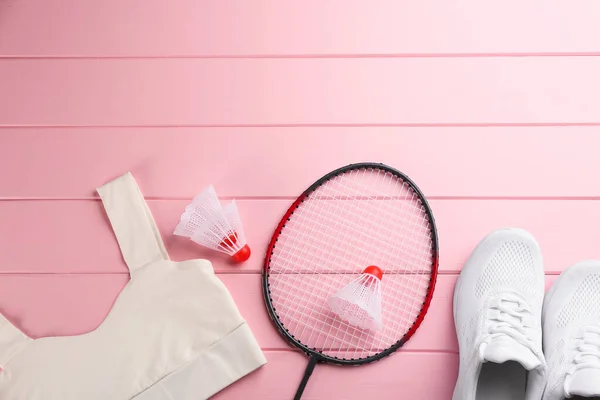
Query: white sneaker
{"x": 571, "y": 321}
{"x": 497, "y": 312}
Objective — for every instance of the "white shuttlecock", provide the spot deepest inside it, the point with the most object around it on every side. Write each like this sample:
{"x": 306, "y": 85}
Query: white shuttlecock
{"x": 359, "y": 302}
{"x": 210, "y": 225}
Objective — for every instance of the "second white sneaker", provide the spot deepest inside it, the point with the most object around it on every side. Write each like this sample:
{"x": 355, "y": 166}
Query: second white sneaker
{"x": 497, "y": 311}
{"x": 571, "y": 321}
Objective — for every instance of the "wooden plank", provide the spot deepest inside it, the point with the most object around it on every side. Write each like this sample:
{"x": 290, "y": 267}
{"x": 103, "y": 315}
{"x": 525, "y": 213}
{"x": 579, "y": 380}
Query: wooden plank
{"x": 75, "y": 237}
{"x": 46, "y": 305}
{"x": 262, "y": 162}
{"x": 388, "y": 379}
{"x": 70, "y": 304}
{"x": 50, "y": 305}
{"x": 176, "y": 92}
{"x": 270, "y": 27}
{"x": 62, "y": 305}
{"x": 58, "y": 305}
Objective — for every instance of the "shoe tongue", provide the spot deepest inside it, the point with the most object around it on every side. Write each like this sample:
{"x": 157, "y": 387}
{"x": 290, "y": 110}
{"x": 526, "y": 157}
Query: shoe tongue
{"x": 503, "y": 348}
{"x": 585, "y": 382}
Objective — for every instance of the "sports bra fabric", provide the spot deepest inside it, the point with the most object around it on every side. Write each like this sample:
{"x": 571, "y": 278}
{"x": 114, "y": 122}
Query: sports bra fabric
{"x": 174, "y": 332}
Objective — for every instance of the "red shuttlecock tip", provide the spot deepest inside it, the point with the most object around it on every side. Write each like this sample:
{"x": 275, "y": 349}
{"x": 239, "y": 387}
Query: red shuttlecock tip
{"x": 243, "y": 254}
{"x": 374, "y": 270}
{"x": 230, "y": 243}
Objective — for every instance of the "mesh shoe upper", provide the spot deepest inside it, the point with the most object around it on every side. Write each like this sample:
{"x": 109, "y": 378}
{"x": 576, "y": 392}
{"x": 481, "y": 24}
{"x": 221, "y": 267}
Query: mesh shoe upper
{"x": 498, "y": 302}
{"x": 571, "y": 322}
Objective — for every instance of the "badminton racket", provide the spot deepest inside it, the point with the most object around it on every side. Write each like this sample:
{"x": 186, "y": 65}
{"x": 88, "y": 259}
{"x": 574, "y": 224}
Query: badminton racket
{"x": 354, "y": 217}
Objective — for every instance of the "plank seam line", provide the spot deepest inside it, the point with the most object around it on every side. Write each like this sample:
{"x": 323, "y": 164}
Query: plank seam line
{"x": 302, "y": 56}
{"x": 109, "y": 273}
{"x": 312, "y": 125}
{"x": 400, "y": 351}
{"x": 218, "y": 271}
{"x": 291, "y": 198}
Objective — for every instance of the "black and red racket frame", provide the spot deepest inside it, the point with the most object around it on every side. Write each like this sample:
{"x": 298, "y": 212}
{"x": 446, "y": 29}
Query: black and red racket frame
{"x": 313, "y": 353}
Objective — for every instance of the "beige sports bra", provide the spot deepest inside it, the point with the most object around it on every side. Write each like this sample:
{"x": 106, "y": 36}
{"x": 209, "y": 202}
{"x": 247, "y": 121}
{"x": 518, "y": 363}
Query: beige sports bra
{"x": 174, "y": 332}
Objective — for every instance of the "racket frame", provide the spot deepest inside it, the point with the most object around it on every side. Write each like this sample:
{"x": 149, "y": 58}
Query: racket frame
{"x": 314, "y": 354}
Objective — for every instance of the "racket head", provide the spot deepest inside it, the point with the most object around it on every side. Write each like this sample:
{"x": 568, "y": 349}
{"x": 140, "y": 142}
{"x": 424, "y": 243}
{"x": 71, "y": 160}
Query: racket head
{"x": 282, "y": 243}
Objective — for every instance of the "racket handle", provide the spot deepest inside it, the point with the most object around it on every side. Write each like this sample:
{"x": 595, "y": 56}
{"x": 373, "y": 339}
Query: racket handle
{"x": 307, "y": 373}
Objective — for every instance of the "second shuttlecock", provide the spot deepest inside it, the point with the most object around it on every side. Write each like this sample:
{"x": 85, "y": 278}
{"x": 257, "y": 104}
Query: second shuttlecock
{"x": 210, "y": 225}
{"x": 359, "y": 302}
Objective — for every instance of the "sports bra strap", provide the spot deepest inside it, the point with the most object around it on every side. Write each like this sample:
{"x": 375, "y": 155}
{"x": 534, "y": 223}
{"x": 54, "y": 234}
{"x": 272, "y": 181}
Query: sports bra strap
{"x": 12, "y": 341}
{"x": 134, "y": 227}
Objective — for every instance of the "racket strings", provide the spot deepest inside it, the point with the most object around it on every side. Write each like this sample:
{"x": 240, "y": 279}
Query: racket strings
{"x": 356, "y": 219}
{"x": 324, "y": 229}
{"x": 299, "y": 313}
{"x": 330, "y": 236}
{"x": 344, "y": 335}
{"x": 301, "y": 240}
{"x": 389, "y": 211}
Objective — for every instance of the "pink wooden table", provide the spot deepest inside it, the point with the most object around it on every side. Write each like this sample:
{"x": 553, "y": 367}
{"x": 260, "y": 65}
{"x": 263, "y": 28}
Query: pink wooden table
{"x": 493, "y": 109}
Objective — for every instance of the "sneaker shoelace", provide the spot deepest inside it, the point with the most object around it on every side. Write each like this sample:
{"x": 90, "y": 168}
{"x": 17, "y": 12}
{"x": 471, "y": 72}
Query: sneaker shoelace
{"x": 586, "y": 351}
{"x": 511, "y": 317}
